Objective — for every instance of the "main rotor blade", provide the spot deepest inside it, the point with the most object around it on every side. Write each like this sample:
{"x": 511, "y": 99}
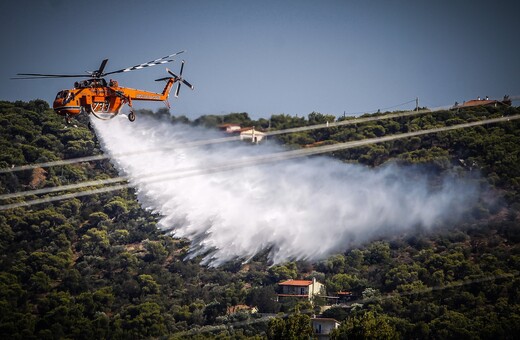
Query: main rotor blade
{"x": 177, "y": 90}
{"x": 41, "y": 76}
{"x": 102, "y": 67}
{"x": 163, "y": 60}
{"x": 99, "y": 73}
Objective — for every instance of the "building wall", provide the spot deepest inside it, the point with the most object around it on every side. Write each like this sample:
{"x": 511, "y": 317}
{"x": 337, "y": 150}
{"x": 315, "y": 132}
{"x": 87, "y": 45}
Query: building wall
{"x": 316, "y": 288}
{"x": 295, "y": 290}
{"x": 323, "y": 326}
{"x": 258, "y": 136}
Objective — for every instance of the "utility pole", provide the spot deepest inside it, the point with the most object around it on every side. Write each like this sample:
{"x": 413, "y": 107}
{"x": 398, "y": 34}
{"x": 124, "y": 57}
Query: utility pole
{"x": 417, "y": 104}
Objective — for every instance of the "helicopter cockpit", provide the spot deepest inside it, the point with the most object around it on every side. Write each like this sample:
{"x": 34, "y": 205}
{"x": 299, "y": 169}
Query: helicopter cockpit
{"x": 62, "y": 94}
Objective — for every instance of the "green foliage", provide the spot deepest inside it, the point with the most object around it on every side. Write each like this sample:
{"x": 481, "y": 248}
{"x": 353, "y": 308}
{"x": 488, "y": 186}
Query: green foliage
{"x": 283, "y": 121}
{"x": 141, "y": 321}
{"x": 369, "y": 325}
{"x": 283, "y": 272}
{"x": 296, "y": 326}
{"x": 212, "y": 121}
{"x": 264, "y": 298}
{"x": 318, "y": 118}
{"x": 97, "y": 267}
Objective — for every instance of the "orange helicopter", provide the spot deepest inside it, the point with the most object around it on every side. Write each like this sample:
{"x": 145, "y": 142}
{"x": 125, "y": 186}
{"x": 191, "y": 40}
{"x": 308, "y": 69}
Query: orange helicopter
{"x": 105, "y": 100}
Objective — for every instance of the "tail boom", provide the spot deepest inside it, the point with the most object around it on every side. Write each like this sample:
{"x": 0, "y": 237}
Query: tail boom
{"x": 135, "y": 94}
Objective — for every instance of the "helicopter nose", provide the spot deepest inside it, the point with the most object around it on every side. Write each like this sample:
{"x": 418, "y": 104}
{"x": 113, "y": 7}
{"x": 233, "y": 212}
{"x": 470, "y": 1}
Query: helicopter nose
{"x": 57, "y": 103}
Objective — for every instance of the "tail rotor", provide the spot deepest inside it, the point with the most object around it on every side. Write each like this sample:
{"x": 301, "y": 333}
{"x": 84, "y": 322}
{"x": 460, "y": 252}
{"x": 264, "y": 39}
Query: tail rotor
{"x": 180, "y": 80}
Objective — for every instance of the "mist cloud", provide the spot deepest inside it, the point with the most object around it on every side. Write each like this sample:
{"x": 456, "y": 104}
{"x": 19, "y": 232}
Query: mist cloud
{"x": 305, "y": 208}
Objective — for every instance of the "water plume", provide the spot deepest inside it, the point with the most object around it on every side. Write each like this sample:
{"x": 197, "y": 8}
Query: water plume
{"x": 306, "y": 208}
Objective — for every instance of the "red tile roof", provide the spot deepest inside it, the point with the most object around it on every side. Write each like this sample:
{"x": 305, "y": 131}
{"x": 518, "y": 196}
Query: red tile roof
{"x": 477, "y": 102}
{"x": 296, "y": 283}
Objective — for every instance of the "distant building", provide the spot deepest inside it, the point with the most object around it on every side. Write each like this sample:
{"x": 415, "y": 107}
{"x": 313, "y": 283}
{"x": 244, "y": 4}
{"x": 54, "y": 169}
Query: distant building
{"x": 250, "y": 134}
{"x": 344, "y": 297}
{"x": 483, "y": 102}
{"x": 305, "y": 289}
{"x": 230, "y": 128}
{"x": 323, "y": 326}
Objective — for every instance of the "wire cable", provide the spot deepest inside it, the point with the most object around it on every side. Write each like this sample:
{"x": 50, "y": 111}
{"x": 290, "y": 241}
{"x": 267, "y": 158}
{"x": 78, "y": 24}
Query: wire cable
{"x": 198, "y": 143}
{"x": 385, "y": 108}
{"x": 352, "y": 121}
{"x": 267, "y": 318}
{"x": 251, "y": 161}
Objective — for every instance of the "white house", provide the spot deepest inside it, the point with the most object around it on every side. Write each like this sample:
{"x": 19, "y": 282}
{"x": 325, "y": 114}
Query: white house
{"x": 323, "y": 326}
{"x": 250, "y": 134}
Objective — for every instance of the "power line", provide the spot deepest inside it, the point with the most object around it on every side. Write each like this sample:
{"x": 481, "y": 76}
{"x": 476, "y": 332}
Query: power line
{"x": 64, "y": 187}
{"x": 251, "y": 161}
{"x": 386, "y": 108}
{"x": 214, "y": 328}
{"x": 191, "y": 144}
{"x": 353, "y": 121}
{"x": 124, "y": 178}
{"x": 234, "y": 138}
{"x": 103, "y": 156}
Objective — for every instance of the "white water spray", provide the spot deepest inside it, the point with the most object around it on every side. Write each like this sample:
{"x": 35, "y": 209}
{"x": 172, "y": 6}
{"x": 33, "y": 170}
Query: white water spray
{"x": 306, "y": 208}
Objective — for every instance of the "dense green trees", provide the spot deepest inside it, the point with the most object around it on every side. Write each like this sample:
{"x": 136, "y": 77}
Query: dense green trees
{"x": 264, "y": 298}
{"x": 295, "y": 327}
{"x": 97, "y": 267}
{"x": 368, "y": 325}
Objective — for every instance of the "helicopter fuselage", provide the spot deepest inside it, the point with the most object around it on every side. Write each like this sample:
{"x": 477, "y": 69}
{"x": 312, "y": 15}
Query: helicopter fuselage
{"x": 96, "y": 96}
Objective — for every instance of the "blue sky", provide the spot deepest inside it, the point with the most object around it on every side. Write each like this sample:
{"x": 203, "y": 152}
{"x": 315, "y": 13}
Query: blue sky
{"x": 271, "y": 57}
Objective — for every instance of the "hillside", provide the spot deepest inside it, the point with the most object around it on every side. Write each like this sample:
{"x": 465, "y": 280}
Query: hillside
{"x": 98, "y": 267}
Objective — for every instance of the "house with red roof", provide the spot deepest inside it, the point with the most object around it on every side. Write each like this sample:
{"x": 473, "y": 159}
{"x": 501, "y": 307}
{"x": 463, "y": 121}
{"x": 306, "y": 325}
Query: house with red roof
{"x": 230, "y": 128}
{"x": 305, "y": 289}
{"x": 249, "y": 134}
{"x": 484, "y": 102}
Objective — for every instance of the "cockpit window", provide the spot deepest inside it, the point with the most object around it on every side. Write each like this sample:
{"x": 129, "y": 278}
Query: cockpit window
{"x": 62, "y": 94}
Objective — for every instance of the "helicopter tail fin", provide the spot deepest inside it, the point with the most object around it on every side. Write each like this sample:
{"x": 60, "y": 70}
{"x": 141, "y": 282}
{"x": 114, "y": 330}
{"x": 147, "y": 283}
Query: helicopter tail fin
{"x": 169, "y": 84}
